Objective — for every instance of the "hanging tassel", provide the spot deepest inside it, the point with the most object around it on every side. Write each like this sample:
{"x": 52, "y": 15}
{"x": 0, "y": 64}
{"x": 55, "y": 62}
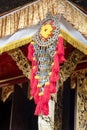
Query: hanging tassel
{"x": 38, "y": 106}
{"x": 52, "y": 88}
{"x": 60, "y": 48}
{"x": 34, "y": 86}
{"x": 46, "y": 93}
{"x": 54, "y": 76}
{"x": 33, "y": 73}
{"x": 36, "y": 96}
{"x": 42, "y": 105}
{"x": 30, "y": 52}
{"x": 45, "y": 100}
{"x": 55, "y": 67}
{"x": 45, "y": 109}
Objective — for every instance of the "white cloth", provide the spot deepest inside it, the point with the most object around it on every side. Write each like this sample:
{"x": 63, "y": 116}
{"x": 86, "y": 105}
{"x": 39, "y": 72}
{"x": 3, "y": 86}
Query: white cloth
{"x": 26, "y": 32}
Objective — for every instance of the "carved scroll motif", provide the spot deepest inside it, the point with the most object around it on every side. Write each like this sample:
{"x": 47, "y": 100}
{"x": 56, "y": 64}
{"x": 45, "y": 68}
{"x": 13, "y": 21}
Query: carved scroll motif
{"x": 81, "y": 103}
{"x": 21, "y": 61}
{"x": 69, "y": 66}
{"x": 65, "y": 72}
{"x": 74, "y": 76}
{"x": 6, "y": 92}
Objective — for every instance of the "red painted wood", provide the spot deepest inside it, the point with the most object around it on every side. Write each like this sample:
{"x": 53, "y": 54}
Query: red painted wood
{"x": 9, "y": 69}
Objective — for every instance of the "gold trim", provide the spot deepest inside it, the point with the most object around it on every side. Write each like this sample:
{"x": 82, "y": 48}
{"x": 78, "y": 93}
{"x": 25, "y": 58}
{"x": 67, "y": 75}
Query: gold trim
{"x": 21, "y": 61}
{"x": 68, "y": 67}
{"x": 15, "y": 44}
{"x": 74, "y": 42}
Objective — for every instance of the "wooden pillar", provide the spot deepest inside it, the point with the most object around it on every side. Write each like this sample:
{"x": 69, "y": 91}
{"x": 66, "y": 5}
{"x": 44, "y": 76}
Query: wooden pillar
{"x": 81, "y": 103}
{"x": 58, "y": 110}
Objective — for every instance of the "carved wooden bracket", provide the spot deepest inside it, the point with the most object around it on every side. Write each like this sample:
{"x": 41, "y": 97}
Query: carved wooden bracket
{"x": 21, "y": 61}
{"x": 74, "y": 76}
{"x": 69, "y": 66}
{"x": 6, "y": 92}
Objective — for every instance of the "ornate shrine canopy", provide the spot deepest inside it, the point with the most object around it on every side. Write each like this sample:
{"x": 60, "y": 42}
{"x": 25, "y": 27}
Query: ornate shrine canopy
{"x": 31, "y": 14}
{"x": 18, "y": 27}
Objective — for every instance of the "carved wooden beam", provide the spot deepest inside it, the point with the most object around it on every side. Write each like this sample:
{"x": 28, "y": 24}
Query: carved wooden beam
{"x": 70, "y": 65}
{"x": 21, "y": 61}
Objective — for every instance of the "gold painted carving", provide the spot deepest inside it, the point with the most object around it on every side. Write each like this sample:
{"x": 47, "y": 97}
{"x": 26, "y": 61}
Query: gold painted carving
{"x": 6, "y": 92}
{"x": 69, "y": 66}
{"x": 81, "y": 103}
{"x": 21, "y": 61}
{"x": 74, "y": 76}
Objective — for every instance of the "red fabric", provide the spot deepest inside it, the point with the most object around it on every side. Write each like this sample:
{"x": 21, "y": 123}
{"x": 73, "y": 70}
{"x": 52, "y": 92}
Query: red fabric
{"x": 30, "y": 52}
{"x": 42, "y": 101}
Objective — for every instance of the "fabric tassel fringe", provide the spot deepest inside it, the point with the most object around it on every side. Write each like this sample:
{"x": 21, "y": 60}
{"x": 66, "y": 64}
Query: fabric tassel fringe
{"x": 42, "y": 101}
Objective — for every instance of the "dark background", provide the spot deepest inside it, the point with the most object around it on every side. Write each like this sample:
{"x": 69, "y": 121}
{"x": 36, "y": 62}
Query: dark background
{"x": 7, "y": 5}
{"x": 17, "y": 113}
{"x": 82, "y": 4}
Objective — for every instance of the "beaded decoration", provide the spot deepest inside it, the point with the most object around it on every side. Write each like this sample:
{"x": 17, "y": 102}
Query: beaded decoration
{"x": 46, "y": 52}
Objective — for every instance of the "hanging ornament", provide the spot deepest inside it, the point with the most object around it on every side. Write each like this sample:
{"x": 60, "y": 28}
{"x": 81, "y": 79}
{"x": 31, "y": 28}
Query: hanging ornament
{"x": 46, "y": 52}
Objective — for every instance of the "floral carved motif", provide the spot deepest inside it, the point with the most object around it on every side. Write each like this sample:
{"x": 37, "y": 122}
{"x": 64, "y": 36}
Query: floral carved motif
{"x": 81, "y": 103}
{"x": 21, "y": 61}
{"x": 69, "y": 66}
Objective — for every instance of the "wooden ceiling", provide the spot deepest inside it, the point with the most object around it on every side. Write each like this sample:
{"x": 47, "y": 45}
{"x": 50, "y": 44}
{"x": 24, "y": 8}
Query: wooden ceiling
{"x": 9, "y": 69}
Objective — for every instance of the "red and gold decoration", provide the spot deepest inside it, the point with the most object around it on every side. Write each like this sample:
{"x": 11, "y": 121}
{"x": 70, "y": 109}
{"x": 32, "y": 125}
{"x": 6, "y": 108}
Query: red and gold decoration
{"x": 46, "y": 53}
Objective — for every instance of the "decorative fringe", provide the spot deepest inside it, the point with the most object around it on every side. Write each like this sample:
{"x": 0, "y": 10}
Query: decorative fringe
{"x": 42, "y": 105}
{"x": 60, "y": 49}
{"x": 70, "y": 39}
{"x": 15, "y": 44}
{"x": 52, "y": 88}
{"x": 31, "y": 52}
{"x": 42, "y": 98}
{"x": 33, "y": 73}
{"x": 74, "y": 42}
